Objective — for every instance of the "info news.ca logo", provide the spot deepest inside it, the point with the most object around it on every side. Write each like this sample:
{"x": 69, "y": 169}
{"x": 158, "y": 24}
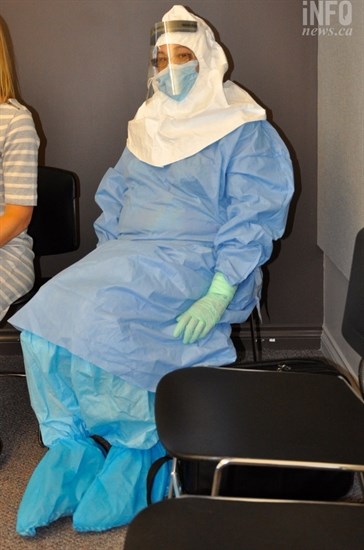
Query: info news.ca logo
{"x": 327, "y": 18}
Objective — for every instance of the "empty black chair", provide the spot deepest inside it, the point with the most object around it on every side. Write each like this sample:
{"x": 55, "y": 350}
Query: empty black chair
{"x": 289, "y": 422}
{"x": 198, "y": 523}
{"x": 353, "y": 320}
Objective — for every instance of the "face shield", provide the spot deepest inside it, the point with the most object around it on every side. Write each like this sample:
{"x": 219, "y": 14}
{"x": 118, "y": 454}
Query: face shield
{"x": 173, "y": 67}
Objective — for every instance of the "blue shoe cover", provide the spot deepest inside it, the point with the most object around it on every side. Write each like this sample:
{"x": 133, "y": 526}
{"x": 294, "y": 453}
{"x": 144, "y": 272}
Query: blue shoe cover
{"x": 119, "y": 490}
{"x": 58, "y": 483}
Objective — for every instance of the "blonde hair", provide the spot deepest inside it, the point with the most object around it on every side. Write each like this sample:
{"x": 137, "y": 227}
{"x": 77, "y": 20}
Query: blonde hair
{"x": 7, "y": 88}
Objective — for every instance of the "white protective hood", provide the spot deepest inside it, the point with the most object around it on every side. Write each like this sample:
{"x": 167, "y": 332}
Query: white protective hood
{"x": 164, "y": 130}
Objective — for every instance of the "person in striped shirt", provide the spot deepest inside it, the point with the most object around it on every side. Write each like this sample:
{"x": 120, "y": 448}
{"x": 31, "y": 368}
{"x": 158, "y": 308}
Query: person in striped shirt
{"x": 18, "y": 187}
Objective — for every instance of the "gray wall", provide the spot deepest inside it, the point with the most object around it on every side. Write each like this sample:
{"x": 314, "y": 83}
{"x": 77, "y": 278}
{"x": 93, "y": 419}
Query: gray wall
{"x": 82, "y": 67}
{"x": 340, "y": 172}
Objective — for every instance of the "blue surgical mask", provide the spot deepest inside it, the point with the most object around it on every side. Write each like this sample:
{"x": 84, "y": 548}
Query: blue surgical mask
{"x": 180, "y": 83}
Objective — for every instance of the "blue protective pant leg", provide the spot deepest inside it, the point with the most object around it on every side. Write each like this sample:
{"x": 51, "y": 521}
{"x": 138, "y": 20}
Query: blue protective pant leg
{"x": 73, "y": 400}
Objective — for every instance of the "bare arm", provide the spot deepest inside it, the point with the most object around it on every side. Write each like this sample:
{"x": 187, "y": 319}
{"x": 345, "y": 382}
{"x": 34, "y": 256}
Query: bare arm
{"x": 13, "y": 221}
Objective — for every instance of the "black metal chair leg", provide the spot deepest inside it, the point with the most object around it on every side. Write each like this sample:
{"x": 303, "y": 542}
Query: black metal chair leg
{"x": 361, "y": 377}
{"x": 253, "y": 338}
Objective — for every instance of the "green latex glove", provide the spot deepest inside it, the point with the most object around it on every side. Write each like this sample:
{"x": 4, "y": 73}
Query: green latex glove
{"x": 202, "y": 316}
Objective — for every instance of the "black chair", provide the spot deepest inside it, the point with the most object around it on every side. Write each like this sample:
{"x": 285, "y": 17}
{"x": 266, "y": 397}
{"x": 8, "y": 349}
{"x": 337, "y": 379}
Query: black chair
{"x": 290, "y": 422}
{"x": 353, "y": 320}
{"x": 198, "y": 523}
{"x": 55, "y": 223}
{"x": 55, "y": 230}
{"x": 253, "y": 324}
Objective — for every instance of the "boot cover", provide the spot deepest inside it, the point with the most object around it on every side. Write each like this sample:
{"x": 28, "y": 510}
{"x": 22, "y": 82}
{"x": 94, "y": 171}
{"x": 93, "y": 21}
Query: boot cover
{"x": 58, "y": 483}
{"x": 119, "y": 490}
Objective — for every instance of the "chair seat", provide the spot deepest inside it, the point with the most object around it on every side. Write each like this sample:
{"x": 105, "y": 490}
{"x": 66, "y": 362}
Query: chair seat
{"x": 195, "y": 523}
{"x": 24, "y": 299}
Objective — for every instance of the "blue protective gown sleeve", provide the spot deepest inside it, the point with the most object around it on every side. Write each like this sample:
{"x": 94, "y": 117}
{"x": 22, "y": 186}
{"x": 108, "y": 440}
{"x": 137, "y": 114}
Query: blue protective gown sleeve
{"x": 110, "y": 198}
{"x": 259, "y": 187}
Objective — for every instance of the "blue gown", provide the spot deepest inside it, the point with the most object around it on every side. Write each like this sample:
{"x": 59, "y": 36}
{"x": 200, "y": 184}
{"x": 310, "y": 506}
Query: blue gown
{"x": 98, "y": 337}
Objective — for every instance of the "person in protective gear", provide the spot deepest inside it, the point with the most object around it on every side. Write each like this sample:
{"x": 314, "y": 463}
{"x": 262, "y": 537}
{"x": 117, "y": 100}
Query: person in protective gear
{"x": 189, "y": 214}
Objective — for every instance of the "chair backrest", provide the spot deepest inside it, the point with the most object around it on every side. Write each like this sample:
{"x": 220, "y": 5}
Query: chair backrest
{"x": 353, "y": 320}
{"x": 55, "y": 225}
{"x": 206, "y": 412}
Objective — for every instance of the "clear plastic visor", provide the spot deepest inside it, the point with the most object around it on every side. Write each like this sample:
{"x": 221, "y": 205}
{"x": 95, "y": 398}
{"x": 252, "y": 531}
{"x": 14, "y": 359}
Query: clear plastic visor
{"x": 169, "y": 53}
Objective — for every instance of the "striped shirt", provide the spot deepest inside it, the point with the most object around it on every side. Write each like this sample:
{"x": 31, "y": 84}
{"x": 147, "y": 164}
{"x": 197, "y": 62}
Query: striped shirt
{"x": 18, "y": 185}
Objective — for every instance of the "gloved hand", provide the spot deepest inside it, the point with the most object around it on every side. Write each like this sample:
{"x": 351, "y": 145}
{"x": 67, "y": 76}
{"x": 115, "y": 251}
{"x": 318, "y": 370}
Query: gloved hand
{"x": 202, "y": 316}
